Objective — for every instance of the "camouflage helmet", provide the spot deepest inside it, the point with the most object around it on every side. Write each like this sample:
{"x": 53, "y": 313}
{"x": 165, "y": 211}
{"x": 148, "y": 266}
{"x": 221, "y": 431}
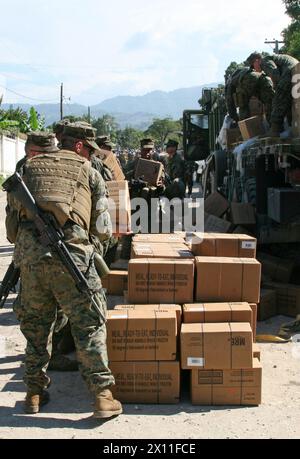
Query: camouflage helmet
{"x": 101, "y": 139}
{"x": 147, "y": 144}
{"x": 81, "y": 131}
{"x": 60, "y": 125}
{"x": 44, "y": 142}
{"x": 109, "y": 144}
{"x": 172, "y": 144}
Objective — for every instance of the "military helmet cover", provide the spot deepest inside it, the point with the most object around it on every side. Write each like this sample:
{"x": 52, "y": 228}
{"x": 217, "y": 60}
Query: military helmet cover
{"x": 172, "y": 143}
{"x": 42, "y": 141}
{"x": 147, "y": 144}
{"x": 81, "y": 131}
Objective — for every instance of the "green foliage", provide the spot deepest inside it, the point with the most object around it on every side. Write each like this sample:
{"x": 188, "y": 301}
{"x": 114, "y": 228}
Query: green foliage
{"x": 2, "y": 179}
{"x": 231, "y": 69}
{"x": 17, "y": 120}
{"x": 106, "y": 125}
{"x": 161, "y": 129}
{"x": 129, "y": 138}
{"x": 291, "y": 34}
{"x": 292, "y": 8}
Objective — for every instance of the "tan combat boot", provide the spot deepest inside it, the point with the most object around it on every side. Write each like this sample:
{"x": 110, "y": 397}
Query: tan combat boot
{"x": 106, "y": 406}
{"x": 34, "y": 400}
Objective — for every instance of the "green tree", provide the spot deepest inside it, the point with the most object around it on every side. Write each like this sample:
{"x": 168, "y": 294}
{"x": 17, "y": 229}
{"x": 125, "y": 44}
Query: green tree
{"x": 129, "y": 138}
{"x": 106, "y": 125}
{"x": 161, "y": 129}
{"x": 16, "y": 115}
{"x": 291, "y": 34}
{"x": 231, "y": 69}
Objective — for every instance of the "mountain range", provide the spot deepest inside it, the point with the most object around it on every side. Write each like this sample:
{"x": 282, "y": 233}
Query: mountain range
{"x": 135, "y": 111}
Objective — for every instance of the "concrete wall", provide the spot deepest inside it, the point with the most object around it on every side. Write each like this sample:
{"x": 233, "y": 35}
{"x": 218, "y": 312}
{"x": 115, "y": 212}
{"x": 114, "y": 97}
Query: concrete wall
{"x": 11, "y": 151}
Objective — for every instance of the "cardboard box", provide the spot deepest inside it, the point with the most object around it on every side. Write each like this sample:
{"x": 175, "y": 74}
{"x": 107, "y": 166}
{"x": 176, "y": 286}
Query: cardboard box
{"x": 111, "y": 161}
{"x": 217, "y": 313}
{"x": 214, "y": 346}
{"x": 267, "y": 307}
{"x": 216, "y": 205}
{"x": 155, "y": 307}
{"x": 242, "y": 214}
{"x": 214, "y": 224}
{"x": 159, "y": 238}
{"x": 149, "y": 171}
{"x": 115, "y": 282}
{"x": 227, "y": 387}
{"x": 119, "y": 206}
{"x": 224, "y": 245}
{"x": 227, "y": 280}
{"x": 256, "y": 352}
{"x": 252, "y": 127}
{"x": 147, "y": 382}
{"x": 287, "y": 298}
{"x": 256, "y": 107}
{"x": 276, "y": 268}
{"x": 233, "y": 136}
{"x": 154, "y": 280}
{"x": 253, "y": 306}
{"x": 156, "y": 250}
{"x": 141, "y": 335}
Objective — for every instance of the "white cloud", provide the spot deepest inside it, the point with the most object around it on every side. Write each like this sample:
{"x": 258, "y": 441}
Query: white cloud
{"x": 100, "y": 49}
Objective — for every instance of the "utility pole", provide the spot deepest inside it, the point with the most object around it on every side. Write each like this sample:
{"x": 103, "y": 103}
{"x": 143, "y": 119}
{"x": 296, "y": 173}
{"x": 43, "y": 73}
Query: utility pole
{"x": 61, "y": 101}
{"x": 276, "y": 43}
{"x": 89, "y": 115}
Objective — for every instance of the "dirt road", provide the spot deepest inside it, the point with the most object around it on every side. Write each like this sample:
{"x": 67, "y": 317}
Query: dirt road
{"x": 68, "y": 415}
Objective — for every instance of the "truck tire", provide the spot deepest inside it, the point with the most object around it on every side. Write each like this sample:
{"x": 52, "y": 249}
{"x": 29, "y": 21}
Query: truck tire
{"x": 251, "y": 190}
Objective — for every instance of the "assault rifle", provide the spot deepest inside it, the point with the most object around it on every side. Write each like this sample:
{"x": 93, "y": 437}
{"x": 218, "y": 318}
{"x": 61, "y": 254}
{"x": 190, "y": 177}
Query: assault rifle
{"x": 9, "y": 283}
{"x": 50, "y": 234}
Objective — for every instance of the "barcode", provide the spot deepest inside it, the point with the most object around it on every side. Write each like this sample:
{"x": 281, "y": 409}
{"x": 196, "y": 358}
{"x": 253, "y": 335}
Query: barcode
{"x": 195, "y": 362}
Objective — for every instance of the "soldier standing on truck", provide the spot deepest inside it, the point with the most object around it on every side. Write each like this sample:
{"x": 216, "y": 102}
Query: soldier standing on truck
{"x": 244, "y": 84}
{"x": 279, "y": 68}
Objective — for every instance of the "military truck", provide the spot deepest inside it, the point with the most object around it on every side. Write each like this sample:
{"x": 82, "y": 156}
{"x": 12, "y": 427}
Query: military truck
{"x": 265, "y": 173}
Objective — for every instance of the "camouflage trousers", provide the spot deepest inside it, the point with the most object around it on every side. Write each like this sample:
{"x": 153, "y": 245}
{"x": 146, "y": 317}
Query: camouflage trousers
{"x": 60, "y": 330}
{"x": 175, "y": 190}
{"x": 282, "y": 102}
{"x": 44, "y": 286}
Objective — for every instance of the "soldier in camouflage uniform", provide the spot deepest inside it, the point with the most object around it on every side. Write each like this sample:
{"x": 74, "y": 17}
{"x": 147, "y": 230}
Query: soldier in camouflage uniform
{"x": 190, "y": 168}
{"x": 36, "y": 144}
{"x": 175, "y": 172}
{"x": 279, "y": 68}
{"x": 65, "y": 184}
{"x": 244, "y": 84}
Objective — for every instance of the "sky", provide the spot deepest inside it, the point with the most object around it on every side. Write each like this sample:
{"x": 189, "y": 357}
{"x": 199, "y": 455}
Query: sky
{"x": 105, "y": 48}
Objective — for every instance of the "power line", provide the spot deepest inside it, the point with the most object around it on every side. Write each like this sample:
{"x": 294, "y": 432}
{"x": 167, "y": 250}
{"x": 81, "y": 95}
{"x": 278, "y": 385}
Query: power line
{"x": 276, "y": 43}
{"x": 27, "y": 97}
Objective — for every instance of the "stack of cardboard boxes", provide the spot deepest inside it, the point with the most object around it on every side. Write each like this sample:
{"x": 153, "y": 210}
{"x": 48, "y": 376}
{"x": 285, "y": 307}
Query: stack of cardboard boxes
{"x": 142, "y": 348}
{"x": 218, "y": 332}
{"x": 215, "y": 284}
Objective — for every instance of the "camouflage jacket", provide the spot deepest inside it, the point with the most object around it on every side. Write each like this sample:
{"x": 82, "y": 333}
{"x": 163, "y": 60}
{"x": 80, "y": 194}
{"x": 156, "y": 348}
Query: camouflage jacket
{"x": 175, "y": 167}
{"x": 29, "y": 251}
{"x": 278, "y": 65}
